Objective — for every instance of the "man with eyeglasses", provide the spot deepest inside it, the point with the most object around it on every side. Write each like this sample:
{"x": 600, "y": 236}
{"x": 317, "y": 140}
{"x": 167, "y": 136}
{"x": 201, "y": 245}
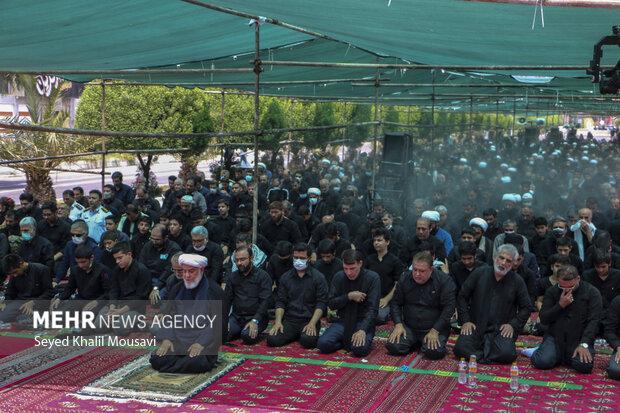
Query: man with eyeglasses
{"x": 572, "y": 311}
{"x": 156, "y": 256}
{"x": 493, "y": 306}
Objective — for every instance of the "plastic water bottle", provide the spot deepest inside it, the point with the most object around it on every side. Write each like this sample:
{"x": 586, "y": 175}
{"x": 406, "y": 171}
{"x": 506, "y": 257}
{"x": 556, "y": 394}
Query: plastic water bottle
{"x": 473, "y": 370}
{"x": 462, "y": 371}
{"x": 514, "y": 377}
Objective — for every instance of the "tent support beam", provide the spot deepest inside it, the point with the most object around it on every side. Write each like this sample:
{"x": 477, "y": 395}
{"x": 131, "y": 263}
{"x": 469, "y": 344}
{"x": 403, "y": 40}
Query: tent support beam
{"x": 257, "y": 132}
{"x": 103, "y": 142}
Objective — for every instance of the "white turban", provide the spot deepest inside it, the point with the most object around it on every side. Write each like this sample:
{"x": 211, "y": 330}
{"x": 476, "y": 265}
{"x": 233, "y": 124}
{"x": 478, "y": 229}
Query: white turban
{"x": 517, "y": 197}
{"x": 193, "y": 260}
{"x": 593, "y": 161}
{"x": 325, "y": 161}
{"x": 504, "y": 166}
{"x": 431, "y": 215}
{"x": 314, "y": 191}
{"x": 482, "y": 164}
{"x": 506, "y": 179}
{"x": 463, "y": 160}
{"x": 479, "y": 222}
{"x": 509, "y": 197}
{"x": 512, "y": 169}
{"x": 527, "y": 196}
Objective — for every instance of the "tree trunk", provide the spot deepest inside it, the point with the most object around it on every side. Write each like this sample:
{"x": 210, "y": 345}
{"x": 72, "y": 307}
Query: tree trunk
{"x": 40, "y": 185}
{"x": 146, "y": 170}
{"x": 189, "y": 166}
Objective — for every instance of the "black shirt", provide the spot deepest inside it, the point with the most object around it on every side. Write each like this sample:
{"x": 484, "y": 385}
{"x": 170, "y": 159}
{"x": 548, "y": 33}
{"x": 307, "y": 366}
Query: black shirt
{"x": 182, "y": 240}
{"x": 215, "y": 259}
{"x": 249, "y": 295}
{"x": 226, "y": 227}
{"x": 529, "y": 277}
{"x": 612, "y": 324}
{"x": 367, "y": 282}
{"x": 609, "y": 288}
{"x": 157, "y": 260}
{"x": 34, "y": 284}
{"x": 285, "y": 230}
{"x": 489, "y": 303}
{"x": 329, "y": 270}
{"x": 424, "y": 306}
{"x": 575, "y": 324}
{"x": 389, "y": 269}
{"x": 301, "y": 296}
{"x": 460, "y": 273}
{"x": 91, "y": 285}
{"x": 133, "y": 283}
{"x": 37, "y": 250}
{"x": 413, "y": 247}
{"x": 58, "y": 234}
{"x": 276, "y": 267}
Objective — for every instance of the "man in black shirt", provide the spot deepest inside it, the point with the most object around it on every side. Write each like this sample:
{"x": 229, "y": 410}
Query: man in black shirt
{"x": 301, "y": 302}
{"x": 247, "y": 292}
{"x": 493, "y": 306}
{"x": 226, "y": 225}
{"x": 33, "y": 247}
{"x": 423, "y": 304}
{"x": 572, "y": 312}
{"x": 328, "y": 264}
{"x": 110, "y": 202}
{"x": 177, "y": 234}
{"x": 612, "y": 335}
{"x": 423, "y": 233}
{"x": 389, "y": 268}
{"x": 461, "y": 270}
{"x": 156, "y": 255}
{"x": 29, "y": 282}
{"x": 130, "y": 285}
{"x": 354, "y": 294}
{"x": 56, "y": 231}
{"x": 279, "y": 228}
{"x": 89, "y": 279}
{"x": 202, "y": 245}
{"x": 280, "y": 261}
{"x": 604, "y": 278}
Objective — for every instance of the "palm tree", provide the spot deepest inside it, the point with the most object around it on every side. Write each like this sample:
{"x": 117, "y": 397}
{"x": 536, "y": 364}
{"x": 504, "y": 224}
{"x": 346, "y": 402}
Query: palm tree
{"x": 43, "y": 111}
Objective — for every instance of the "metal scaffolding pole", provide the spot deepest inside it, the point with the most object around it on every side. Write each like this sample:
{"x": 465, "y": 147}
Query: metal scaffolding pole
{"x": 374, "y": 141}
{"x": 257, "y": 70}
{"x": 103, "y": 142}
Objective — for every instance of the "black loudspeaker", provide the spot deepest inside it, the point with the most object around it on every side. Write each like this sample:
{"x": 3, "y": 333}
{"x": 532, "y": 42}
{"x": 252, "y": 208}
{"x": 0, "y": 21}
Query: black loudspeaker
{"x": 396, "y": 147}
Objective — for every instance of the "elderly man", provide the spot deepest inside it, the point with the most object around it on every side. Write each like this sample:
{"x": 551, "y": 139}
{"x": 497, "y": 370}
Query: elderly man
{"x": 301, "y": 302}
{"x": 191, "y": 350}
{"x": 201, "y": 245}
{"x": 493, "y": 306}
{"x": 572, "y": 313}
{"x": 33, "y": 247}
{"x": 354, "y": 294}
{"x": 440, "y": 233}
{"x": 583, "y": 231}
{"x": 422, "y": 234}
{"x": 423, "y": 304}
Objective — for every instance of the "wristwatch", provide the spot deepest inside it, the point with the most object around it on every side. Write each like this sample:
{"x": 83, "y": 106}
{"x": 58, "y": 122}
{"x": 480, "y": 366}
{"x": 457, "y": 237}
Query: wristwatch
{"x": 255, "y": 321}
{"x": 584, "y": 345}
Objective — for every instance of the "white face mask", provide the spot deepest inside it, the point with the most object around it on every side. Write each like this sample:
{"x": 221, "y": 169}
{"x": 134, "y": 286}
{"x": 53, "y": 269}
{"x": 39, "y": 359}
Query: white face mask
{"x": 300, "y": 264}
{"x": 200, "y": 248}
{"x": 78, "y": 240}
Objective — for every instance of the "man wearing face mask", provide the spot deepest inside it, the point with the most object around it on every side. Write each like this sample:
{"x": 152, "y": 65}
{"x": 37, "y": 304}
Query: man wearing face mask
{"x": 88, "y": 280}
{"x": 548, "y": 246}
{"x": 110, "y": 202}
{"x": 583, "y": 231}
{"x": 314, "y": 203}
{"x": 156, "y": 255}
{"x": 354, "y": 294}
{"x": 191, "y": 350}
{"x": 33, "y": 247}
{"x": 301, "y": 302}
{"x": 493, "y": 307}
{"x": 510, "y": 227}
{"x": 572, "y": 312}
{"x": 201, "y": 245}
{"x": 79, "y": 236}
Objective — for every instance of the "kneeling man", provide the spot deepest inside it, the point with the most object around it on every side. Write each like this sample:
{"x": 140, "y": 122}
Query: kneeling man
{"x": 493, "y": 306}
{"x": 300, "y": 303}
{"x": 192, "y": 349}
{"x": 422, "y": 306}
{"x": 572, "y": 312}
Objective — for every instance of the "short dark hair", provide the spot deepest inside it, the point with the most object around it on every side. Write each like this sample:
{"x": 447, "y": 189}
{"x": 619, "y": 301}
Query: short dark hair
{"x": 302, "y": 246}
{"x": 117, "y": 174}
{"x": 352, "y": 256}
{"x": 381, "y": 232}
{"x": 12, "y": 262}
{"x": 331, "y": 229}
{"x": 601, "y": 257}
{"x": 245, "y": 248}
{"x": 538, "y": 221}
{"x": 78, "y": 188}
{"x": 326, "y": 246}
{"x": 112, "y": 217}
{"x": 467, "y": 248}
{"x": 276, "y": 205}
{"x": 490, "y": 211}
{"x": 83, "y": 251}
{"x": 426, "y": 246}
{"x": 177, "y": 218}
{"x": 51, "y": 205}
{"x": 567, "y": 273}
{"x": 563, "y": 242}
{"x": 96, "y": 191}
{"x": 243, "y": 237}
{"x": 424, "y": 256}
{"x": 109, "y": 236}
{"x": 26, "y": 196}
{"x": 223, "y": 201}
{"x": 558, "y": 258}
{"x": 469, "y": 231}
{"x": 68, "y": 193}
{"x": 146, "y": 219}
{"x": 122, "y": 247}
{"x": 109, "y": 186}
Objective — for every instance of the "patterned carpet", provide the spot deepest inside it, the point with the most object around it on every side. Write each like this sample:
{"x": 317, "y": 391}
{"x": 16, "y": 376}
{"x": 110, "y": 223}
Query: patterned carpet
{"x": 293, "y": 378}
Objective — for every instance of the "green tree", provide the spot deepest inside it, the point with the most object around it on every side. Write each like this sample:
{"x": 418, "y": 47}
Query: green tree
{"x": 23, "y": 145}
{"x": 323, "y": 116}
{"x": 360, "y": 113}
{"x": 273, "y": 118}
{"x": 391, "y": 115}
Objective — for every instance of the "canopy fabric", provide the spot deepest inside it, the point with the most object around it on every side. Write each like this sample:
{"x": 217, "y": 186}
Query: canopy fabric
{"x": 89, "y": 35}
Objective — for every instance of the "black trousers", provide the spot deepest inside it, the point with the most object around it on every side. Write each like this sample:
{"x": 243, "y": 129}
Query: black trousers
{"x": 292, "y": 331}
{"x": 548, "y": 355}
{"x": 414, "y": 341}
{"x": 180, "y": 362}
{"x": 489, "y": 347}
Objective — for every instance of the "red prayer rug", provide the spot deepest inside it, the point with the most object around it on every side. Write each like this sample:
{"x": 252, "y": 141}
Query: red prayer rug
{"x": 11, "y": 345}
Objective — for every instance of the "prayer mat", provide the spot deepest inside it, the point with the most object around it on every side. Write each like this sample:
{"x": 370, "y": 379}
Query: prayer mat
{"x": 138, "y": 381}
{"x": 12, "y": 345}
